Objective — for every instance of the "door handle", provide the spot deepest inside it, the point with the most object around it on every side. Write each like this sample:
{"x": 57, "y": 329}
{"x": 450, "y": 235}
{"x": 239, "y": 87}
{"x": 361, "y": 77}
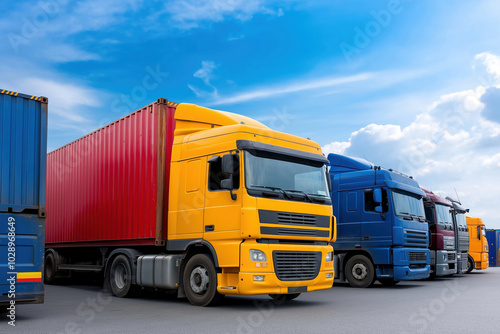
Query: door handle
{"x": 209, "y": 228}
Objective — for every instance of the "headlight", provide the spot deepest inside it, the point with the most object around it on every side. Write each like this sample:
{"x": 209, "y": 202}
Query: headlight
{"x": 329, "y": 257}
{"x": 257, "y": 255}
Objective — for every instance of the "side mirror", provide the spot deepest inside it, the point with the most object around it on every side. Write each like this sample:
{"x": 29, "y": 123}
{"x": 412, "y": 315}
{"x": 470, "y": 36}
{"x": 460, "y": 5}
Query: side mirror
{"x": 378, "y": 208}
{"x": 227, "y": 184}
{"x": 228, "y": 164}
{"x": 479, "y": 232}
{"x": 377, "y": 196}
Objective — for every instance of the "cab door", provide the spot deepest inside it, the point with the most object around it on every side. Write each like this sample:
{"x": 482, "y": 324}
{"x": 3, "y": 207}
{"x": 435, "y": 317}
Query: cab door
{"x": 191, "y": 198}
{"x": 376, "y": 227}
{"x": 222, "y": 223}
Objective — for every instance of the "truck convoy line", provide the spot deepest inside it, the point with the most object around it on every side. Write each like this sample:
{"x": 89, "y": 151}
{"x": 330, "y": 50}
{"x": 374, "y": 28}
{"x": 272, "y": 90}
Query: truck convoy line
{"x": 209, "y": 203}
{"x": 181, "y": 197}
{"x": 23, "y": 147}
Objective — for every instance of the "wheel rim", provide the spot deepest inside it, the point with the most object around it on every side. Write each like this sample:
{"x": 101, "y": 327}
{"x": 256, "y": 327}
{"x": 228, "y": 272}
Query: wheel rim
{"x": 199, "y": 280}
{"x": 120, "y": 276}
{"x": 359, "y": 271}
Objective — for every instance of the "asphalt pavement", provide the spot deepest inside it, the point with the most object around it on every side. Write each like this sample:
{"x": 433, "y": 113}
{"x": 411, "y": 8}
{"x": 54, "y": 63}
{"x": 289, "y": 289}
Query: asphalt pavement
{"x": 459, "y": 304}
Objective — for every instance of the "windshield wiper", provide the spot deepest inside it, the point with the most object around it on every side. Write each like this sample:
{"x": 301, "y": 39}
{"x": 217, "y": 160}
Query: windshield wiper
{"x": 319, "y": 198}
{"x": 406, "y": 215}
{"x": 300, "y": 192}
{"x": 273, "y": 189}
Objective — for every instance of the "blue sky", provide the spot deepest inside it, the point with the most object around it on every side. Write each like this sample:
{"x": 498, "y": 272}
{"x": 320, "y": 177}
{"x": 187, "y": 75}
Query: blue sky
{"x": 412, "y": 85}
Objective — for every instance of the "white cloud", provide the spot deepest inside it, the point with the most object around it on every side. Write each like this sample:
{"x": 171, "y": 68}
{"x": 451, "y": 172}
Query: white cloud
{"x": 488, "y": 64}
{"x": 454, "y": 143}
{"x": 188, "y": 14}
{"x": 64, "y": 97}
{"x": 205, "y": 73}
{"x": 292, "y": 88}
{"x": 67, "y": 53}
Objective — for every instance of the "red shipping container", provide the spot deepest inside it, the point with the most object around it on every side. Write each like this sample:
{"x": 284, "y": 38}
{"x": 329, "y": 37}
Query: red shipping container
{"x": 126, "y": 166}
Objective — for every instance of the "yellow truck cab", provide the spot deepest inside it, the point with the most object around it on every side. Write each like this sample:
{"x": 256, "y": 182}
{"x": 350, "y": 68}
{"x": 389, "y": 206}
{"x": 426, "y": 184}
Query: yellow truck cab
{"x": 256, "y": 199}
{"x": 478, "y": 245}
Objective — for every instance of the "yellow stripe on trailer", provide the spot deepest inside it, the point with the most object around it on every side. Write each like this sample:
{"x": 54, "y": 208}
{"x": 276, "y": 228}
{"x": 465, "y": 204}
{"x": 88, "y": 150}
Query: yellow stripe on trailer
{"x": 29, "y": 277}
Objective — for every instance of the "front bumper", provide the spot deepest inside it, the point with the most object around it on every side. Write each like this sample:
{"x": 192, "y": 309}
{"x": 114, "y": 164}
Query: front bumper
{"x": 243, "y": 282}
{"x": 411, "y": 263}
{"x": 402, "y": 273}
{"x": 442, "y": 264}
{"x": 485, "y": 261}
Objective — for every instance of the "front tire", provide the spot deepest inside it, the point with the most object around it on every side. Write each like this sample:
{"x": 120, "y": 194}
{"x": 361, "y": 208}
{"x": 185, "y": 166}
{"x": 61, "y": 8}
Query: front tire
{"x": 360, "y": 272}
{"x": 470, "y": 266}
{"x": 120, "y": 278}
{"x": 200, "y": 281}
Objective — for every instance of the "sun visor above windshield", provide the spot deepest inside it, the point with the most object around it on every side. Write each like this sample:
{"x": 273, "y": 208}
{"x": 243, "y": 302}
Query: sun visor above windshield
{"x": 342, "y": 163}
{"x": 257, "y": 146}
{"x": 405, "y": 187}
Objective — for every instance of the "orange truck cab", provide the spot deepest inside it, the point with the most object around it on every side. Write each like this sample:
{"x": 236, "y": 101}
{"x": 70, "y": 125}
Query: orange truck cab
{"x": 478, "y": 245}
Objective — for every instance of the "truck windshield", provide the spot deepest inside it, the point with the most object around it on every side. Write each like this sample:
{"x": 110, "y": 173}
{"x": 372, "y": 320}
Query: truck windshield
{"x": 443, "y": 214}
{"x": 461, "y": 221}
{"x": 271, "y": 175}
{"x": 407, "y": 205}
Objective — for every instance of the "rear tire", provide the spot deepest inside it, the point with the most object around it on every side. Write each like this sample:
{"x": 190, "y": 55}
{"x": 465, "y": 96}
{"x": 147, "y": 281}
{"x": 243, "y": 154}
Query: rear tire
{"x": 50, "y": 269}
{"x": 360, "y": 272}
{"x": 200, "y": 281}
{"x": 388, "y": 281}
{"x": 120, "y": 278}
{"x": 281, "y": 298}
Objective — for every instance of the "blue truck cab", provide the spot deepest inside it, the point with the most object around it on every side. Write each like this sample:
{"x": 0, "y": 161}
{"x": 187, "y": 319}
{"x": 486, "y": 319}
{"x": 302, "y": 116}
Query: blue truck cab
{"x": 382, "y": 233}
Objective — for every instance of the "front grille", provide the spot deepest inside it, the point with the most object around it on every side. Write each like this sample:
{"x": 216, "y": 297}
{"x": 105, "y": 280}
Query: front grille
{"x": 294, "y": 232}
{"x": 296, "y": 219}
{"x": 451, "y": 256}
{"x": 296, "y": 266}
{"x": 417, "y": 257}
{"x": 292, "y": 218}
{"x": 416, "y": 238}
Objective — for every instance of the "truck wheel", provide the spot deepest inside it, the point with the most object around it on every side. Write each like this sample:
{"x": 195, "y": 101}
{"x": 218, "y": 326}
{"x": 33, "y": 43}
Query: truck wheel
{"x": 200, "y": 281}
{"x": 120, "y": 277}
{"x": 49, "y": 270}
{"x": 281, "y": 298}
{"x": 470, "y": 265}
{"x": 360, "y": 272}
{"x": 387, "y": 281}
